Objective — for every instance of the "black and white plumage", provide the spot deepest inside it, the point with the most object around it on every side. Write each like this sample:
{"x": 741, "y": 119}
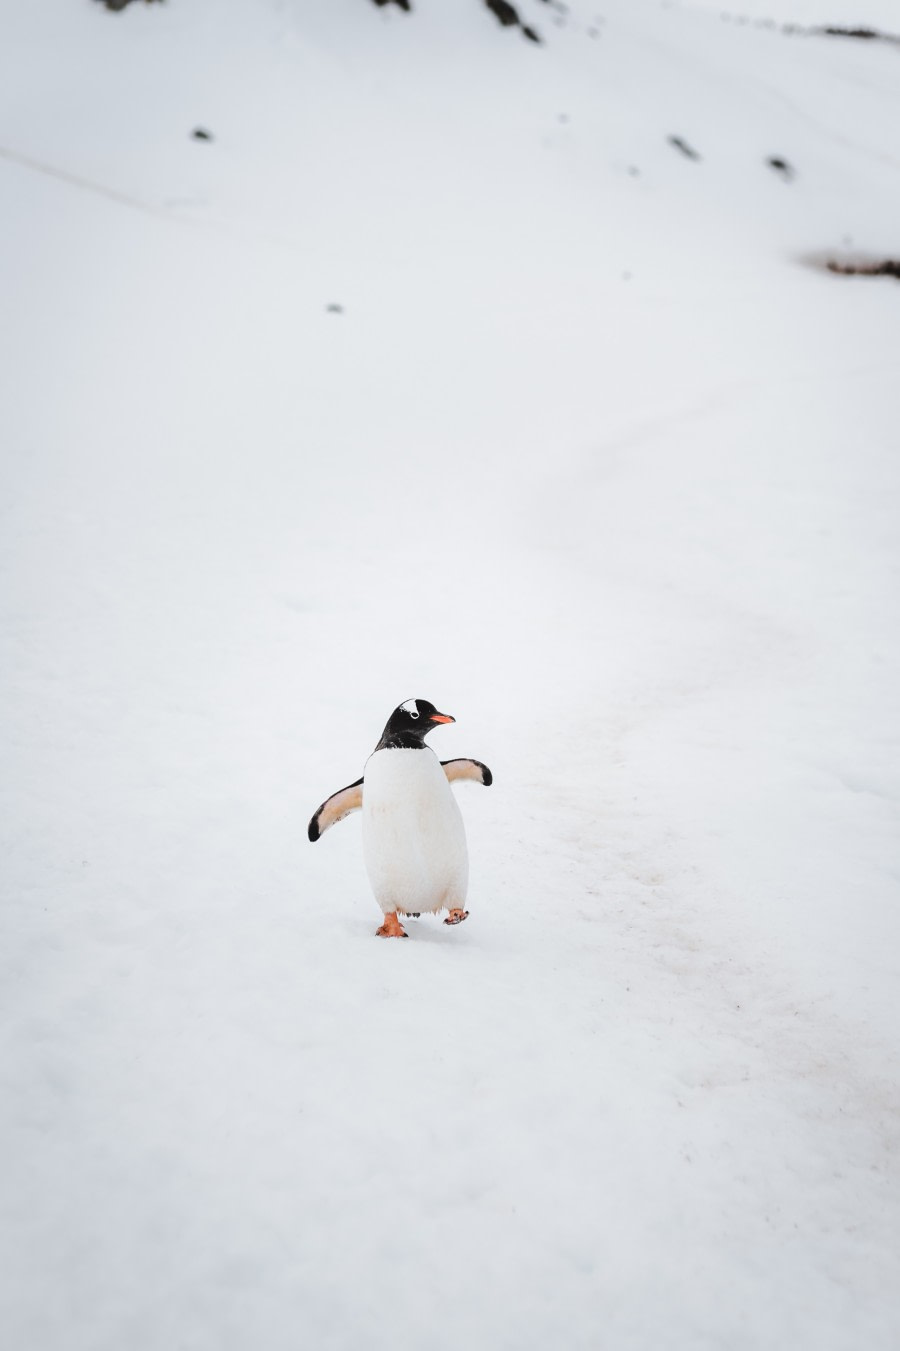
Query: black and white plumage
{"x": 414, "y": 841}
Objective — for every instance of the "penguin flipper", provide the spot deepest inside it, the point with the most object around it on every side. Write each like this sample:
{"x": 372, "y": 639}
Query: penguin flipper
{"x": 467, "y": 769}
{"x": 335, "y": 808}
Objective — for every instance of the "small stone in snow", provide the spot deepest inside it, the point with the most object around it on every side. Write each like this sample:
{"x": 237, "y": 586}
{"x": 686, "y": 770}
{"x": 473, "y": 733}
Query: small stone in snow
{"x": 781, "y": 166}
{"x": 681, "y": 144}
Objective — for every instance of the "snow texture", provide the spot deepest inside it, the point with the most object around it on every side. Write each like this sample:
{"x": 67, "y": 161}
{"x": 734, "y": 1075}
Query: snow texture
{"x": 438, "y": 368}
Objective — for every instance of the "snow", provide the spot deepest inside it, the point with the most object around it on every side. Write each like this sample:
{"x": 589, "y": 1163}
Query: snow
{"x": 596, "y": 459}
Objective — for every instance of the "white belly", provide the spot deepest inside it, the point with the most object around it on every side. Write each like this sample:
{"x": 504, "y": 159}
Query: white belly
{"x": 414, "y": 842}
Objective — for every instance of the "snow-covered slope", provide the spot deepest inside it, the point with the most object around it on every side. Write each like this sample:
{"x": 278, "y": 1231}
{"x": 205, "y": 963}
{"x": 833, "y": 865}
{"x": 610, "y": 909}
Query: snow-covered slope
{"x": 594, "y": 457}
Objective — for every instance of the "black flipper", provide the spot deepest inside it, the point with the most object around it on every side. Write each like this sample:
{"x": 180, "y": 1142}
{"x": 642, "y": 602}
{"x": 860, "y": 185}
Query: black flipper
{"x": 335, "y": 808}
{"x": 467, "y": 769}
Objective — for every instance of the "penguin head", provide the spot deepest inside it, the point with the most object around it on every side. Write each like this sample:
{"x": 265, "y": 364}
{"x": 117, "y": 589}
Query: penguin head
{"x": 409, "y": 724}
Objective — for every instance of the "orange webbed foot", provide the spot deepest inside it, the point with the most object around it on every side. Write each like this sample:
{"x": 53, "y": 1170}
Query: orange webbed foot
{"x": 392, "y": 928}
{"x": 456, "y": 916}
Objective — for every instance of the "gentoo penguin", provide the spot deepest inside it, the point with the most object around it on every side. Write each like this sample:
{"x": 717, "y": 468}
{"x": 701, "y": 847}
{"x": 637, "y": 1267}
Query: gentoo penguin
{"x": 414, "y": 842}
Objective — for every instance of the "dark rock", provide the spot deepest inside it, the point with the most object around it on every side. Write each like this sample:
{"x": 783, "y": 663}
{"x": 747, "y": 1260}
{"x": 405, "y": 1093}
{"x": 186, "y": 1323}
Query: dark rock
{"x": 867, "y": 34}
{"x": 116, "y": 5}
{"x": 687, "y": 150}
{"x": 504, "y": 11}
{"x": 839, "y": 31}
{"x": 886, "y": 267}
{"x": 781, "y": 166}
{"x": 508, "y": 16}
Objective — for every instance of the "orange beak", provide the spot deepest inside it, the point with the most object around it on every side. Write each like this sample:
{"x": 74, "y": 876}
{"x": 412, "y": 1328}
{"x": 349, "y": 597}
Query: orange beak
{"x": 441, "y": 717}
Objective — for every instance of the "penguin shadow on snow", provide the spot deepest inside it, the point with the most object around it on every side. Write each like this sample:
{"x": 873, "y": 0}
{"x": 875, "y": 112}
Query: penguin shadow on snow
{"x": 414, "y": 840}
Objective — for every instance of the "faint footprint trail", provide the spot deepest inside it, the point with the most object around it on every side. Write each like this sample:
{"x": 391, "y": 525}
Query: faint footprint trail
{"x": 137, "y": 204}
{"x": 86, "y": 184}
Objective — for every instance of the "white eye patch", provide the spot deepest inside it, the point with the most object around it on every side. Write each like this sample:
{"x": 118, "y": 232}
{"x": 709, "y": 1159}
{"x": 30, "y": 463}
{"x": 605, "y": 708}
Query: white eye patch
{"x": 411, "y": 707}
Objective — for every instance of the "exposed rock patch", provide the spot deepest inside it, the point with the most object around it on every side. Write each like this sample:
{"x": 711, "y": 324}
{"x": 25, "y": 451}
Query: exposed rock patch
{"x": 116, "y": 5}
{"x": 883, "y": 267}
{"x": 508, "y": 16}
{"x": 867, "y": 34}
{"x": 821, "y": 30}
{"x": 679, "y": 143}
{"x": 782, "y": 167}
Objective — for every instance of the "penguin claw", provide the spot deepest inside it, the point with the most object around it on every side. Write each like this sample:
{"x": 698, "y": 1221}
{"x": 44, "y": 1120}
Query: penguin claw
{"x": 456, "y": 916}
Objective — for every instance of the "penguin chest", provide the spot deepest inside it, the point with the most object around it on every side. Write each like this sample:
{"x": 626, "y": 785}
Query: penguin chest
{"x": 414, "y": 842}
